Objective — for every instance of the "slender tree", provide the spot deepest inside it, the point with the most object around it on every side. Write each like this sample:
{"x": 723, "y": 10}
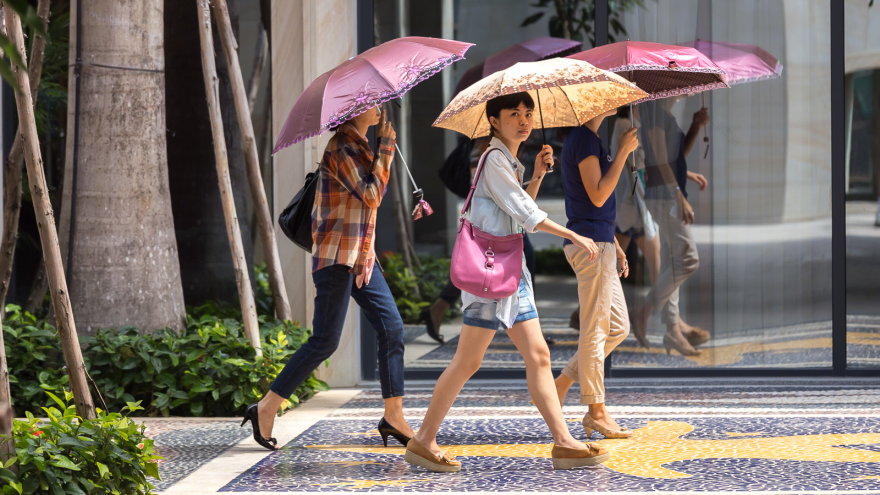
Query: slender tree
{"x": 212, "y": 90}
{"x": 48, "y": 236}
{"x": 252, "y": 161}
{"x": 15, "y": 164}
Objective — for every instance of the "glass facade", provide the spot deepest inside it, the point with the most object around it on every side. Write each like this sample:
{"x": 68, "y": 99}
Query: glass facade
{"x": 754, "y": 271}
{"x": 862, "y": 183}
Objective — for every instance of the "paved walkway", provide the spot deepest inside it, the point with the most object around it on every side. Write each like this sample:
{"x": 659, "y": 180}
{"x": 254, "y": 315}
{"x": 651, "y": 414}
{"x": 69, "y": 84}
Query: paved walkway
{"x": 765, "y": 436}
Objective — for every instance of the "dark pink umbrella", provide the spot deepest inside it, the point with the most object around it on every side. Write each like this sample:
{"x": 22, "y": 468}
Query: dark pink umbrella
{"x": 528, "y": 51}
{"x": 375, "y": 76}
{"x": 659, "y": 70}
{"x": 741, "y": 63}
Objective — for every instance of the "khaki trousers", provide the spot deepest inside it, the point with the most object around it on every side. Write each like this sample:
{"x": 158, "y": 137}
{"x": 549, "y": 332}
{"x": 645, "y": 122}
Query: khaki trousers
{"x": 678, "y": 255}
{"x": 604, "y": 318}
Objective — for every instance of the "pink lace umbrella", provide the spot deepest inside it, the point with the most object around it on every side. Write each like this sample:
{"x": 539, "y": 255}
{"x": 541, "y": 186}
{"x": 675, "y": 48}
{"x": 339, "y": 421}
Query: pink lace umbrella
{"x": 528, "y": 51}
{"x": 379, "y": 74}
{"x": 659, "y": 70}
{"x": 741, "y": 63}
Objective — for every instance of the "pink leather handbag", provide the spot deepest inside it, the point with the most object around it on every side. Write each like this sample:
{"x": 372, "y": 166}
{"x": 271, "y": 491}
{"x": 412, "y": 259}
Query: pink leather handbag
{"x": 483, "y": 264}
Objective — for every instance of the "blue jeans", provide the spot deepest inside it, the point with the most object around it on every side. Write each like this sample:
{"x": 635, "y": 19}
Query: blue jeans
{"x": 334, "y": 285}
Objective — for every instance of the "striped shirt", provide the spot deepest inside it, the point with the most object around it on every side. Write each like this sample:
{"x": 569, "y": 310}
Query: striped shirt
{"x": 351, "y": 186}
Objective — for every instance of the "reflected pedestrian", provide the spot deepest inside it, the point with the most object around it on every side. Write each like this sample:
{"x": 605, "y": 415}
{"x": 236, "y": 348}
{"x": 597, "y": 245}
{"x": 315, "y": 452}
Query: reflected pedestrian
{"x": 666, "y": 176}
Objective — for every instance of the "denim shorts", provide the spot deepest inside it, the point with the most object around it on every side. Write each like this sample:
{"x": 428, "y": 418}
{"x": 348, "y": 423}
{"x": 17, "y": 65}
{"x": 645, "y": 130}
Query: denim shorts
{"x": 482, "y": 314}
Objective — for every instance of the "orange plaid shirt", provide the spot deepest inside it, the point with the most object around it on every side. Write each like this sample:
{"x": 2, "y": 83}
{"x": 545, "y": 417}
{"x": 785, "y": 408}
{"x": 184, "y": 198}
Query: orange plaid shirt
{"x": 351, "y": 186}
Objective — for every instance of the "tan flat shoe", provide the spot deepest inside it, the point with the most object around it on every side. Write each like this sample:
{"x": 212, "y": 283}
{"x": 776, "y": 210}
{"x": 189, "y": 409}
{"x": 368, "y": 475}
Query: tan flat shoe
{"x": 591, "y": 424}
{"x": 566, "y": 458}
{"x": 698, "y": 336}
{"x": 418, "y": 455}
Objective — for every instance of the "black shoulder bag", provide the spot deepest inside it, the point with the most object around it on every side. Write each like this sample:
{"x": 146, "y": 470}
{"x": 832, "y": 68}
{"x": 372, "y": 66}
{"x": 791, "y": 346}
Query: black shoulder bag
{"x": 296, "y": 219}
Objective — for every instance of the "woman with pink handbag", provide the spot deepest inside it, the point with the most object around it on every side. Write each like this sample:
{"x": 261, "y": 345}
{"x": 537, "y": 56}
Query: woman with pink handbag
{"x": 497, "y": 295}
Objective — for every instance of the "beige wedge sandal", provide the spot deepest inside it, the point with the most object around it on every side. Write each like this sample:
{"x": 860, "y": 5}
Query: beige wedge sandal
{"x": 418, "y": 455}
{"x": 566, "y": 458}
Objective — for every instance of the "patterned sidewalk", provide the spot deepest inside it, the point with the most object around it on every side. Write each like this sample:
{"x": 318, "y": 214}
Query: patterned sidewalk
{"x": 763, "y": 436}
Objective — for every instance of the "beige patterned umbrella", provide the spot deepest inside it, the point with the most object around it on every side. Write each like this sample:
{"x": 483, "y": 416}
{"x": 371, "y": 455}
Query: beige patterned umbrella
{"x": 568, "y": 93}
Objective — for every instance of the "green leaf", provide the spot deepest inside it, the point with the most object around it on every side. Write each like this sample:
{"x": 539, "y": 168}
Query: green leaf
{"x": 67, "y": 441}
{"x": 152, "y": 469}
{"x": 7, "y": 475}
{"x": 103, "y": 470}
{"x": 63, "y": 461}
{"x": 58, "y": 401}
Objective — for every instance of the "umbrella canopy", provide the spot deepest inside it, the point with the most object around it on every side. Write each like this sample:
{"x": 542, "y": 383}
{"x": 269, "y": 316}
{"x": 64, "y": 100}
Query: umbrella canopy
{"x": 741, "y": 63}
{"x": 528, "y": 51}
{"x": 660, "y": 70}
{"x": 568, "y": 93}
{"x": 375, "y": 76}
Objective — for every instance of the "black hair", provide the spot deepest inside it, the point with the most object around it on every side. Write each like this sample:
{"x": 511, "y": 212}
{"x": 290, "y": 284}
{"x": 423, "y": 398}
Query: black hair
{"x": 506, "y": 102}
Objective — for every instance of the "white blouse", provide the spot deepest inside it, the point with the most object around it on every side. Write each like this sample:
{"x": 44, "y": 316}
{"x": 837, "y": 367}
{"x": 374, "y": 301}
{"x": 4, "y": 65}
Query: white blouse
{"x": 499, "y": 207}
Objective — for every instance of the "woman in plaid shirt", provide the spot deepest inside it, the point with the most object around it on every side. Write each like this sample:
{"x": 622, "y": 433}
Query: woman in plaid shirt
{"x": 352, "y": 184}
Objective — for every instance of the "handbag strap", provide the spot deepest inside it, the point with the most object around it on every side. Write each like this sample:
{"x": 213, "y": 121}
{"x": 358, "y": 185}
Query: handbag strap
{"x": 467, "y": 202}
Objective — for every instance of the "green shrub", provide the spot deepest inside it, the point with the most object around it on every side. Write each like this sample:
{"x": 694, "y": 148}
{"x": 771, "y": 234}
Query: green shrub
{"x": 210, "y": 369}
{"x": 552, "y": 261}
{"x": 65, "y": 455}
{"x": 430, "y": 279}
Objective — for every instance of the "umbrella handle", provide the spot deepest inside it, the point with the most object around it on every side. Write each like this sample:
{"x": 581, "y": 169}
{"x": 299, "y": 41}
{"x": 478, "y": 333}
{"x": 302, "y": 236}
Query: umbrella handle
{"x": 541, "y": 115}
{"x": 406, "y": 167}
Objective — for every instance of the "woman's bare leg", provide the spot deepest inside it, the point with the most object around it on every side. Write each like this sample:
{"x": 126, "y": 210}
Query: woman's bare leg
{"x": 563, "y": 383}
{"x": 394, "y": 415}
{"x": 529, "y": 341}
{"x": 472, "y": 344}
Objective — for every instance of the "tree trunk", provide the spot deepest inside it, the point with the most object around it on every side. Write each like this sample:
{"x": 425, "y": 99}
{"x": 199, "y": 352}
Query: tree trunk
{"x": 206, "y": 264}
{"x": 73, "y": 359}
{"x": 212, "y": 90}
{"x": 14, "y": 164}
{"x": 256, "y": 74}
{"x": 252, "y": 161}
{"x": 38, "y": 289}
{"x": 124, "y": 268}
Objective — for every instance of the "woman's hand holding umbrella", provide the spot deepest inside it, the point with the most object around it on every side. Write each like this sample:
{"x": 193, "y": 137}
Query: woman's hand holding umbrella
{"x": 384, "y": 129}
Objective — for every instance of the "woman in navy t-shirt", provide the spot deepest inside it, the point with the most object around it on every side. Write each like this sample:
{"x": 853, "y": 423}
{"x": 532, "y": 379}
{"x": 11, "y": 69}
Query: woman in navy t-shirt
{"x": 589, "y": 177}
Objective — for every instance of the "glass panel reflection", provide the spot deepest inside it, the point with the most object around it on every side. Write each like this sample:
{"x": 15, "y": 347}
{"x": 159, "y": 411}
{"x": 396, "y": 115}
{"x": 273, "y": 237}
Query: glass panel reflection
{"x": 862, "y": 176}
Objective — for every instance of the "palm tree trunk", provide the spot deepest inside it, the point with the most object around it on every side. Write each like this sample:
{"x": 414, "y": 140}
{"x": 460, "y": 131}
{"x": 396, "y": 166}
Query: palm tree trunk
{"x": 48, "y": 236}
{"x": 123, "y": 259}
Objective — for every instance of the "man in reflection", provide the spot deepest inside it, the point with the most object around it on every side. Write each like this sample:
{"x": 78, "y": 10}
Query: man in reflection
{"x": 666, "y": 176}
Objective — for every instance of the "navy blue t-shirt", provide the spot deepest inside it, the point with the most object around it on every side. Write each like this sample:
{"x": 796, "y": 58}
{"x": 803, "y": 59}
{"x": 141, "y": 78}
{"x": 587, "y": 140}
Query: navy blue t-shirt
{"x": 585, "y": 218}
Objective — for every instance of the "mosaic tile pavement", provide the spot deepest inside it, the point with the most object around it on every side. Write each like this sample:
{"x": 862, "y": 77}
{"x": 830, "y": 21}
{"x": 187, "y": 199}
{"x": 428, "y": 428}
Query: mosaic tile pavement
{"x": 795, "y": 436}
{"x": 188, "y": 445}
{"x": 667, "y": 454}
{"x": 797, "y": 346}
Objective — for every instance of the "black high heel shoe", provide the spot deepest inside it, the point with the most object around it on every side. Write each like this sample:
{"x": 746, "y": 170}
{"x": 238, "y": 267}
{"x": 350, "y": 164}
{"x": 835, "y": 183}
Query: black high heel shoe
{"x": 425, "y": 316}
{"x": 253, "y": 416}
{"x": 386, "y": 429}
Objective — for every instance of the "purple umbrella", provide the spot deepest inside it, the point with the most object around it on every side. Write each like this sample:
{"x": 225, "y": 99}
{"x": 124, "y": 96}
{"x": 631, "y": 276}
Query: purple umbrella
{"x": 741, "y": 63}
{"x": 375, "y": 76}
{"x": 528, "y": 51}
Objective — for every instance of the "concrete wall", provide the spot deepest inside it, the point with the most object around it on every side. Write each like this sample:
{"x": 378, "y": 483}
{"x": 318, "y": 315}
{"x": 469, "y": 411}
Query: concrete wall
{"x": 309, "y": 37}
